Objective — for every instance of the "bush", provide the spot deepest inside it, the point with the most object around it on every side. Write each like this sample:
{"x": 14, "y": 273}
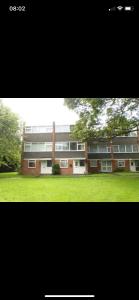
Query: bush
{"x": 119, "y": 170}
{"x": 56, "y": 169}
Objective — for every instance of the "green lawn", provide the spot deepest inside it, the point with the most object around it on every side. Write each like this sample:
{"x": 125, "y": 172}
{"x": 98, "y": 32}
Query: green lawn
{"x": 114, "y": 187}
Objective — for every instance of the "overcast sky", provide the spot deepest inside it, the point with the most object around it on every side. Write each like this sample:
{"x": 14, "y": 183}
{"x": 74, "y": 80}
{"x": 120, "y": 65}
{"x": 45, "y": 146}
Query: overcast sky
{"x": 41, "y": 111}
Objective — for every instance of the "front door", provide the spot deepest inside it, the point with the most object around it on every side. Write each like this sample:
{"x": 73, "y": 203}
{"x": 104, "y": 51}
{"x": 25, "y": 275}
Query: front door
{"x": 79, "y": 166}
{"x": 132, "y": 166}
{"x": 46, "y": 167}
{"x": 106, "y": 166}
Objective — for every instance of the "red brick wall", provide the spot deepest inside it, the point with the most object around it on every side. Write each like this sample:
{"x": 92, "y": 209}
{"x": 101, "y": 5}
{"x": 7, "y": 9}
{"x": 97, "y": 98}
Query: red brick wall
{"x": 94, "y": 169}
{"x": 127, "y": 165}
{"x": 115, "y": 165}
{"x": 30, "y": 171}
{"x": 66, "y": 171}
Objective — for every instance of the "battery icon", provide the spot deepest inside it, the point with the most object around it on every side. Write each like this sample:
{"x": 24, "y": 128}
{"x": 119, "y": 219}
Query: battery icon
{"x": 129, "y": 8}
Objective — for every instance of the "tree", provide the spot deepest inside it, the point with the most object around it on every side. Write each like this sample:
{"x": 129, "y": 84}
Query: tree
{"x": 10, "y": 137}
{"x": 104, "y": 117}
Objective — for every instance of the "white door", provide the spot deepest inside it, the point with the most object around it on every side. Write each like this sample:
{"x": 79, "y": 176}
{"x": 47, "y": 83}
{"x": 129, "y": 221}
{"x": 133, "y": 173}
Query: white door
{"x": 79, "y": 166}
{"x": 106, "y": 166}
{"x": 46, "y": 167}
{"x": 132, "y": 166}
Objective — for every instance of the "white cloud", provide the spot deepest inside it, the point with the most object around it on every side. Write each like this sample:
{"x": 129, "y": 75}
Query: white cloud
{"x": 41, "y": 111}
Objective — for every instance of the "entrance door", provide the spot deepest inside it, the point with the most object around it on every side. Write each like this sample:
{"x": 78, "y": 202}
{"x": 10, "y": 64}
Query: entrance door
{"x": 79, "y": 166}
{"x": 106, "y": 166}
{"x": 132, "y": 166}
{"x": 46, "y": 167}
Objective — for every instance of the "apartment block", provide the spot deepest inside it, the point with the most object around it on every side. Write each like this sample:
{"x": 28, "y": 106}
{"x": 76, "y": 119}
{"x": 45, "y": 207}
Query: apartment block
{"x": 46, "y": 145}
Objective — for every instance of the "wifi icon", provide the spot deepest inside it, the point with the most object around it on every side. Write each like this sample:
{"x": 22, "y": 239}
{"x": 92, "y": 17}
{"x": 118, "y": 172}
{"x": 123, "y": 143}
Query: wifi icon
{"x": 120, "y": 7}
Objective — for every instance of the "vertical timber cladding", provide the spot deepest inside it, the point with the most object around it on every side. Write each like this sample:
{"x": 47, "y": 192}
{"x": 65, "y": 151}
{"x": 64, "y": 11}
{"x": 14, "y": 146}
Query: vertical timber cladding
{"x": 53, "y": 143}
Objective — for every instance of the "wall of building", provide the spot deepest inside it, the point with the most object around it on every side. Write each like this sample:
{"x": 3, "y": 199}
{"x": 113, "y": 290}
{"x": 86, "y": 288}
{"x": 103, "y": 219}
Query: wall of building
{"x": 30, "y": 171}
{"x": 66, "y": 171}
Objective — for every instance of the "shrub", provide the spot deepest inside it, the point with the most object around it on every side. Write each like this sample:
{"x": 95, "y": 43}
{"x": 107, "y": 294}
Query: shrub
{"x": 119, "y": 170}
{"x": 55, "y": 169}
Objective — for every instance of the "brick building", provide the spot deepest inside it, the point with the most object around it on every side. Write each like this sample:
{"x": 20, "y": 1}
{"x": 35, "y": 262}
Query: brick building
{"x": 45, "y": 145}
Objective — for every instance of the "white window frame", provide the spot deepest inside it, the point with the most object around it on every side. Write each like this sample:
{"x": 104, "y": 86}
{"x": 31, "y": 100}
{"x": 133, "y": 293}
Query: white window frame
{"x": 125, "y": 149}
{"x": 121, "y": 160}
{"x": 91, "y": 161}
{"x": 29, "y": 162}
{"x": 60, "y": 143}
{"x": 25, "y": 146}
{"x": 27, "y": 128}
{"x": 69, "y": 148}
{"x": 48, "y": 129}
{"x": 66, "y": 162}
{"x": 78, "y": 144}
{"x": 108, "y": 149}
{"x": 62, "y": 128}
{"x": 45, "y": 145}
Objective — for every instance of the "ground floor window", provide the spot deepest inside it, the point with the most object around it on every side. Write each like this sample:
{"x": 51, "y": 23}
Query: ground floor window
{"x": 31, "y": 163}
{"x": 63, "y": 163}
{"x": 93, "y": 163}
{"x": 106, "y": 166}
{"x": 121, "y": 163}
{"x": 49, "y": 163}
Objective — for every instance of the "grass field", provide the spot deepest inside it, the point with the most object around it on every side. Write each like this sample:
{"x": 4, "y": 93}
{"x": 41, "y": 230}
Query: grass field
{"x": 115, "y": 187}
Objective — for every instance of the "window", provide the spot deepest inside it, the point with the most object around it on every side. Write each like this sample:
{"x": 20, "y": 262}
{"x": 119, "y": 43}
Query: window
{"x": 49, "y": 163}
{"x": 48, "y": 147}
{"x": 62, "y": 146}
{"x": 62, "y": 128}
{"x": 38, "y": 129}
{"x": 121, "y": 148}
{"x": 121, "y": 163}
{"x": 115, "y": 149}
{"x": 133, "y": 134}
{"x": 82, "y": 163}
{"x": 81, "y": 146}
{"x": 32, "y": 164}
{"x": 135, "y": 148}
{"x": 27, "y": 147}
{"x": 93, "y": 148}
{"x": 93, "y": 163}
{"x": 128, "y": 148}
{"x": 38, "y": 147}
{"x": 73, "y": 146}
{"x": 64, "y": 163}
{"x": 28, "y": 129}
{"x": 102, "y": 149}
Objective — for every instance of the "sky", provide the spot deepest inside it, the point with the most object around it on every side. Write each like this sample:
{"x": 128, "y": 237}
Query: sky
{"x": 41, "y": 111}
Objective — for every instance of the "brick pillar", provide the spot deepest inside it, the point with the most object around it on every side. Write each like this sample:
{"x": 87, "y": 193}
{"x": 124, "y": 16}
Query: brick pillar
{"x": 138, "y": 134}
{"x": 86, "y": 157}
{"x": 53, "y": 143}
{"x": 111, "y": 149}
{"x": 22, "y": 149}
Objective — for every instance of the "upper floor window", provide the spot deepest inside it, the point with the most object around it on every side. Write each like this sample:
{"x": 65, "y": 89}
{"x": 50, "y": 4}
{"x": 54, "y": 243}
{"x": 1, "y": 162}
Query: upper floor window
{"x": 128, "y": 148}
{"x": 129, "y": 134}
{"x": 69, "y": 146}
{"x": 99, "y": 149}
{"x": 28, "y": 129}
{"x": 38, "y": 129}
{"x": 62, "y": 146}
{"x": 62, "y": 128}
{"x": 81, "y": 146}
{"x": 37, "y": 147}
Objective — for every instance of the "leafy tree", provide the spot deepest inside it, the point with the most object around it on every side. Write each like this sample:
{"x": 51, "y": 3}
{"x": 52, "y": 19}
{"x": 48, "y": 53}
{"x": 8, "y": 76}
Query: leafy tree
{"x": 104, "y": 117}
{"x": 10, "y": 137}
